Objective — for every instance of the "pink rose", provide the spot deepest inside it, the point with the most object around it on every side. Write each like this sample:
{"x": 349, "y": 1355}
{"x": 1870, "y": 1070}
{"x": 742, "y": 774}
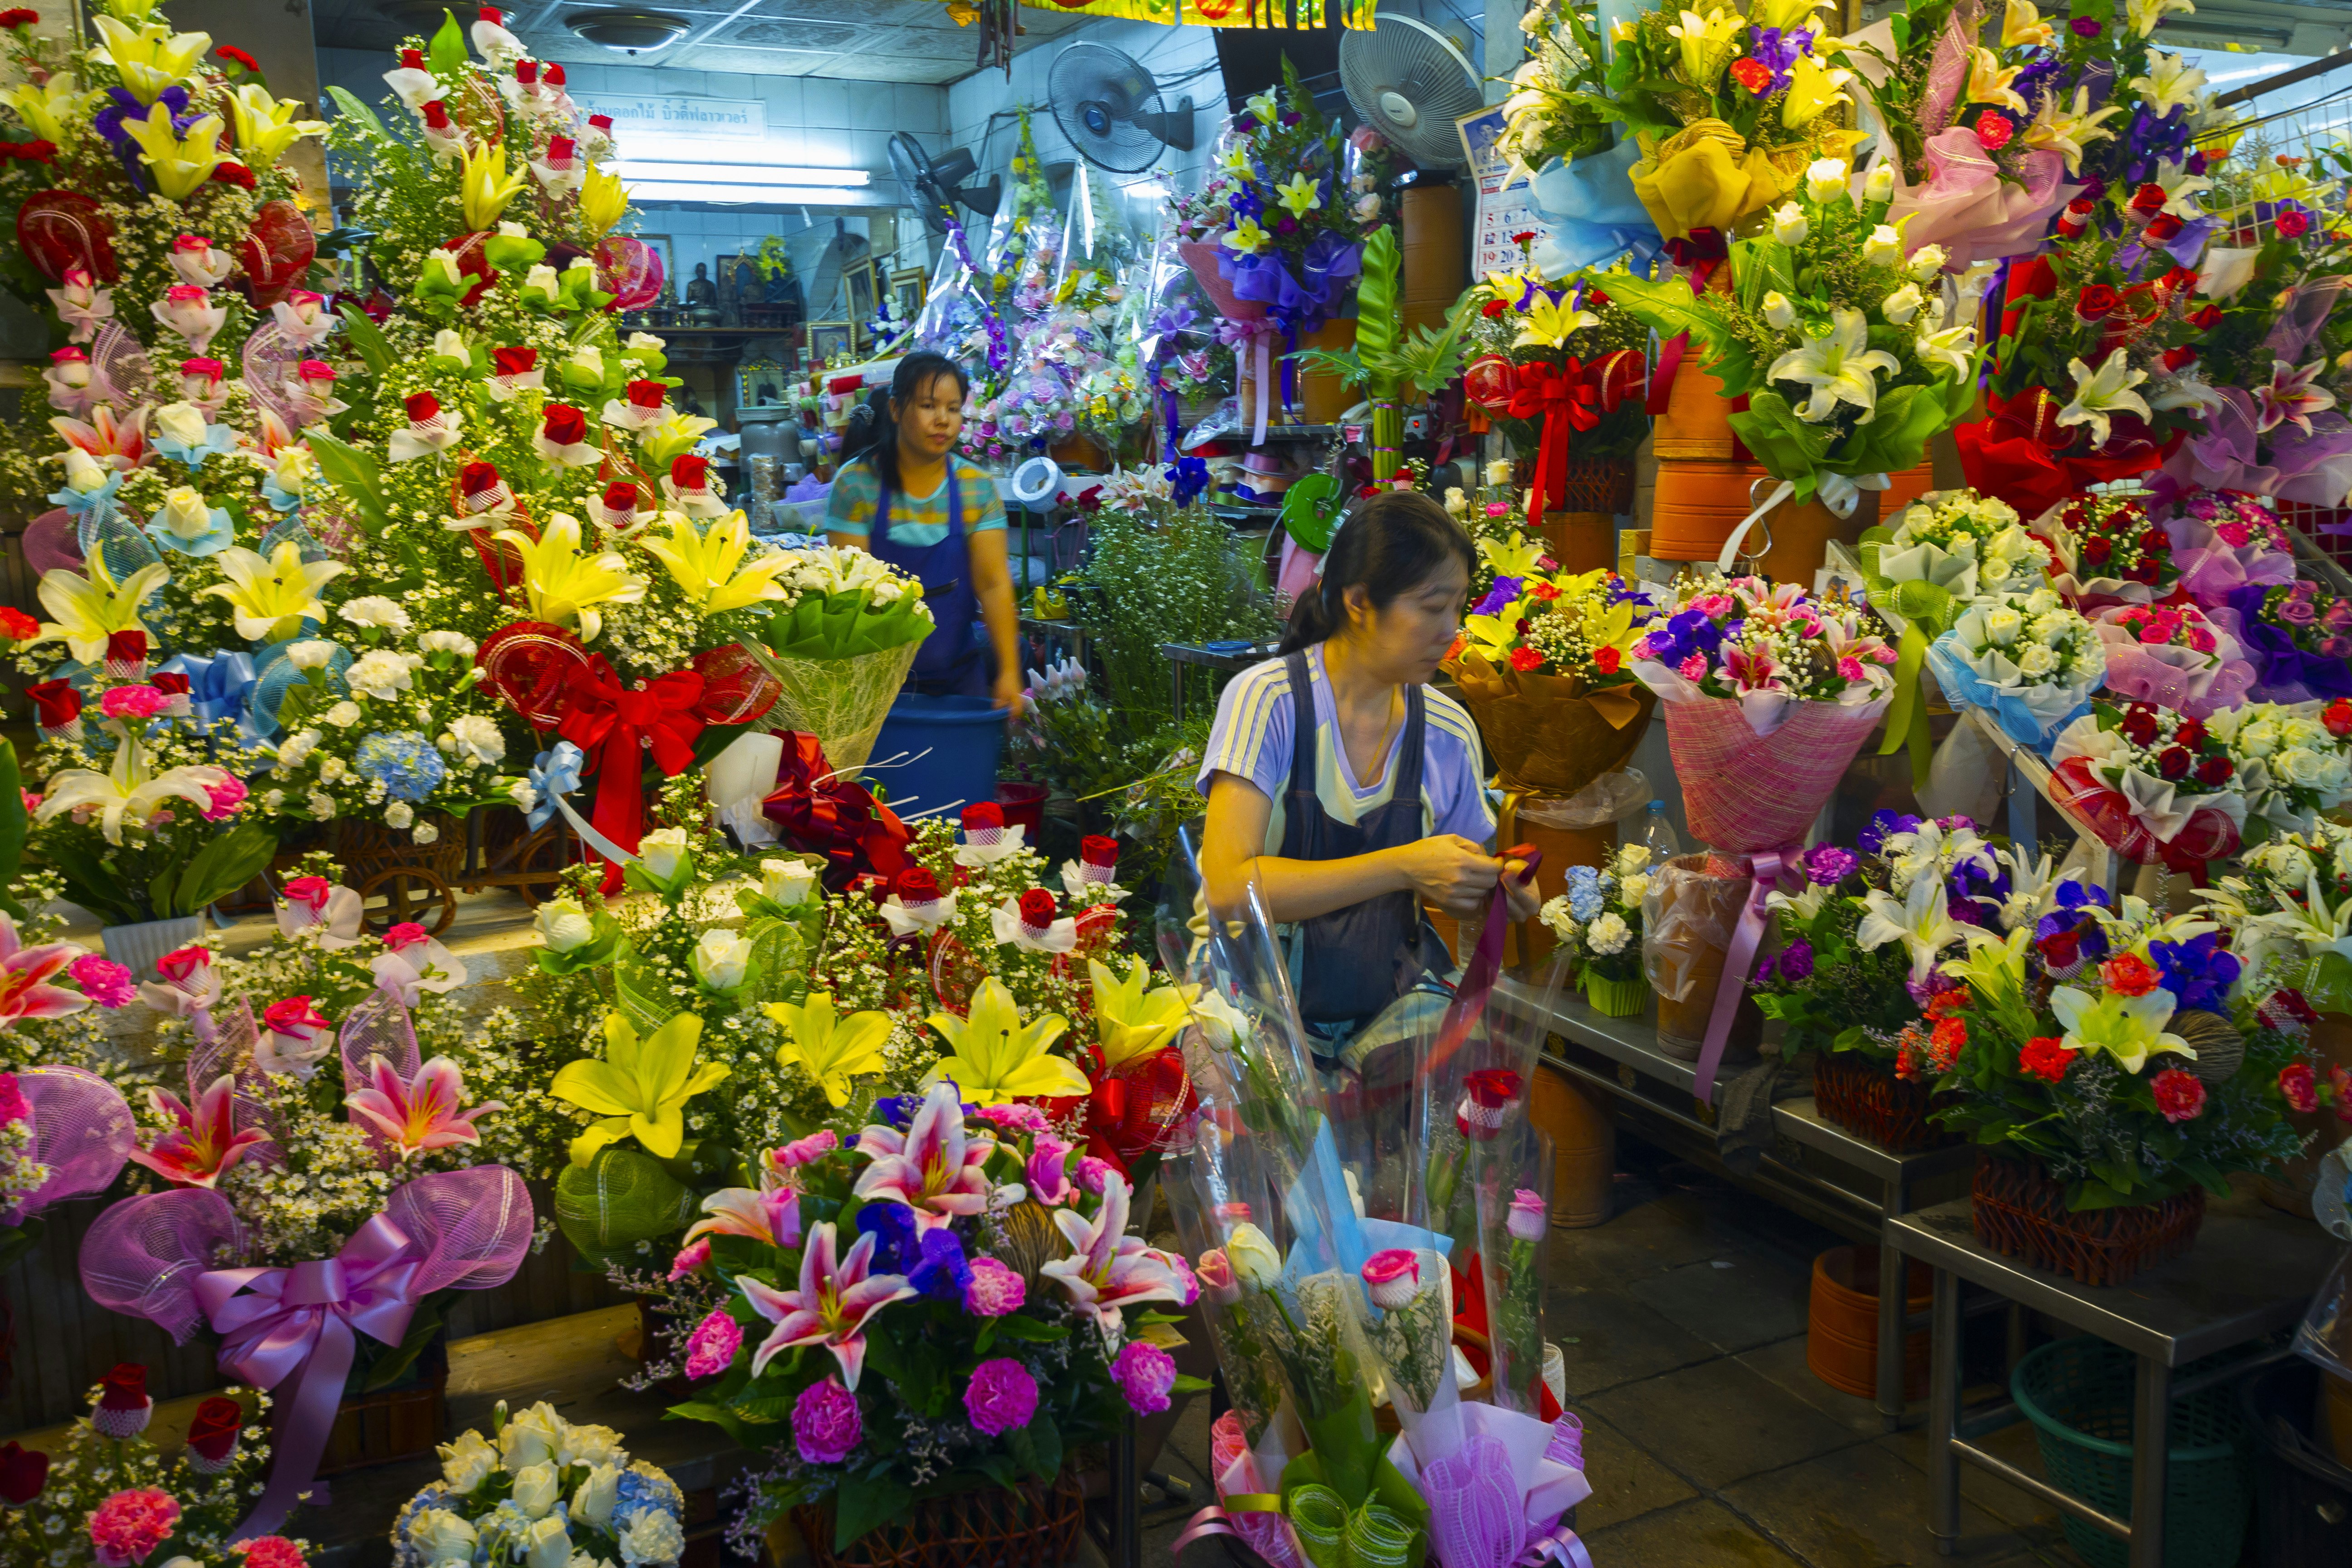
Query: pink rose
{"x": 1528, "y": 1219}
{"x": 1216, "y": 1273}
{"x": 689, "y": 1260}
{"x": 1393, "y": 1278}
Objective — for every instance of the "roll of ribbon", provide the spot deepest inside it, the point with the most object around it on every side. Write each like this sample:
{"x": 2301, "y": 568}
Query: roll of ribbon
{"x": 1036, "y": 480}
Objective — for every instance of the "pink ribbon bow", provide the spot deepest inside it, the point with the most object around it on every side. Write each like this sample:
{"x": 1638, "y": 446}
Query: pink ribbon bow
{"x": 1258, "y": 337}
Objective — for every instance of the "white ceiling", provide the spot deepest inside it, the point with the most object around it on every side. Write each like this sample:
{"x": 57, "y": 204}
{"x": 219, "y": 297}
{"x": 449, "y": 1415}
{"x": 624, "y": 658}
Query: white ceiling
{"x": 868, "y": 40}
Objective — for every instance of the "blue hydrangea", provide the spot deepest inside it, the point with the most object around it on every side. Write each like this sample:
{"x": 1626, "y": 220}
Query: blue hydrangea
{"x": 404, "y": 1553}
{"x": 643, "y": 1487}
{"x": 402, "y": 761}
{"x": 1583, "y": 892}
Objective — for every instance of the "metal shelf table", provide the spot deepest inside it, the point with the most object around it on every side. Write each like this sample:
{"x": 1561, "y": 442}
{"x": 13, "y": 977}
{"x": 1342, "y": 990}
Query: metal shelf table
{"x": 1816, "y": 1169}
{"x": 2249, "y": 1272}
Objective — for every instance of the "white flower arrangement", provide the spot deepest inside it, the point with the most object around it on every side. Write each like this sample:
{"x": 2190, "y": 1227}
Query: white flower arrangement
{"x": 1598, "y": 918}
{"x": 1969, "y": 545}
{"x": 2028, "y": 658}
{"x": 2291, "y": 766}
{"x": 542, "y": 1493}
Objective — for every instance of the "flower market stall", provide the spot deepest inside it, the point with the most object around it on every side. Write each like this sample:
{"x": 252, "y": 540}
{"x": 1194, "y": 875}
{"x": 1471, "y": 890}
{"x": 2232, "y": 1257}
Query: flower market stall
{"x": 501, "y": 1025}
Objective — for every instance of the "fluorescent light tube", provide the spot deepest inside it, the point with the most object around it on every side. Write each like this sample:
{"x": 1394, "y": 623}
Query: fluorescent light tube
{"x": 739, "y": 196}
{"x": 739, "y": 173}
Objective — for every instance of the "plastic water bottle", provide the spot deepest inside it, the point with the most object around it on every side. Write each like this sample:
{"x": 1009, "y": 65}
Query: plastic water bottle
{"x": 1658, "y": 836}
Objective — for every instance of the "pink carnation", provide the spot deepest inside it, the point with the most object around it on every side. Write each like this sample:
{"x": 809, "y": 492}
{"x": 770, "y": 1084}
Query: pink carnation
{"x": 103, "y": 981}
{"x": 1692, "y": 667}
{"x": 711, "y": 1349}
{"x": 689, "y": 1258}
{"x": 1145, "y": 1375}
{"x": 1001, "y": 1396}
{"x": 132, "y": 703}
{"x": 826, "y": 1428}
{"x": 994, "y": 1291}
{"x": 271, "y": 1552}
{"x": 128, "y": 1527}
{"x": 14, "y": 1107}
{"x": 227, "y": 796}
{"x": 1094, "y": 1173}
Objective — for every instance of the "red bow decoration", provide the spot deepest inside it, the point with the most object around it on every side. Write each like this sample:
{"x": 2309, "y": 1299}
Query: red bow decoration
{"x": 2020, "y": 452}
{"x": 60, "y": 230}
{"x": 613, "y": 723}
{"x": 1566, "y": 398}
{"x": 820, "y": 813}
{"x": 1137, "y": 1108}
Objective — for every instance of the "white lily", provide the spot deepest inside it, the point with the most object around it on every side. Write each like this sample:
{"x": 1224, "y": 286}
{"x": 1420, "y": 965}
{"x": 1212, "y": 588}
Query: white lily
{"x": 2069, "y": 131}
{"x": 1840, "y": 366}
{"x": 1922, "y": 923}
{"x": 2104, "y": 391}
{"x": 127, "y": 793}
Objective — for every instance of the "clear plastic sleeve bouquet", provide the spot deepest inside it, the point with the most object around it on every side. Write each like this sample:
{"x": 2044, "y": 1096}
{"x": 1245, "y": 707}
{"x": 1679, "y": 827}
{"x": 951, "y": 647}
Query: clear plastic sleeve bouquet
{"x": 1598, "y": 922}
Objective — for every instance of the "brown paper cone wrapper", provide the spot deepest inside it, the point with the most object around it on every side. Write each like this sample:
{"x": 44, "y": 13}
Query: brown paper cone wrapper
{"x": 1546, "y": 735}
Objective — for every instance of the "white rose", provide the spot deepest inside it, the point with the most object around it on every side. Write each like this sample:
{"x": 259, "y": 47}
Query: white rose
{"x": 1926, "y": 262}
{"x": 536, "y": 1488}
{"x": 1555, "y": 914}
{"x": 541, "y": 280}
{"x": 182, "y": 422}
{"x": 321, "y": 805}
{"x": 653, "y": 1536}
{"x": 458, "y": 643}
{"x": 2036, "y": 661}
{"x": 2052, "y": 630}
{"x": 448, "y": 344}
{"x": 1790, "y": 226}
{"x": 546, "y": 1544}
{"x": 1255, "y": 1262}
{"x": 721, "y": 957}
{"x": 1631, "y": 889}
{"x": 593, "y": 1501}
{"x": 529, "y": 1437}
{"x": 309, "y": 654}
{"x": 1884, "y": 247}
{"x": 186, "y": 515}
{"x": 2259, "y": 738}
{"x": 1778, "y": 314}
{"x": 788, "y": 882}
{"x": 590, "y": 1445}
{"x": 478, "y": 738}
{"x": 1608, "y": 935}
{"x": 399, "y": 814}
{"x": 439, "y": 1535}
{"x": 1498, "y": 473}
{"x": 1903, "y": 304}
{"x": 2042, "y": 601}
{"x": 1878, "y": 185}
{"x": 466, "y": 1461}
{"x": 424, "y": 833}
{"x": 589, "y": 360}
{"x": 645, "y": 343}
{"x": 379, "y": 673}
{"x": 342, "y": 715}
{"x": 565, "y": 924}
{"x": 2002, "y": 625}
{"x": 662, "y": 853}
{"x": 1825, "y": 178}
{"x": 331, "y": 769}
{"x": 375, "y": 610}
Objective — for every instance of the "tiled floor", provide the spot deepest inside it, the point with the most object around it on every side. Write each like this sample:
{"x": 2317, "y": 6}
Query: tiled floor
{"x": 1708, "y": 1443}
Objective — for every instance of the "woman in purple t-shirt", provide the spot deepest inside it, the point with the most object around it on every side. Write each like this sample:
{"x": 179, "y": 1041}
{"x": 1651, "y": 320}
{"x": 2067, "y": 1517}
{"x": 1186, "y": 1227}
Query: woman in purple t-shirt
{"x": 1345, "y": 787}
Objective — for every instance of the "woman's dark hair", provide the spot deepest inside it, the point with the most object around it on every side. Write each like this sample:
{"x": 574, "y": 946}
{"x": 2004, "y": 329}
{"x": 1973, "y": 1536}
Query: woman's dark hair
{"x": 872, "y": 432}
{"x": 1388, "y": 546}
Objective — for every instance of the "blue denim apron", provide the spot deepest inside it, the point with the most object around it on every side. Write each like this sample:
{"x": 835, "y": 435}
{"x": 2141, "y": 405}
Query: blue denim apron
{"x": 951, "y": 661}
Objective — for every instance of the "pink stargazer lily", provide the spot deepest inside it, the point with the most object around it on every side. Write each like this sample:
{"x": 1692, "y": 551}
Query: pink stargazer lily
{"x": 422, "y": 1113}
{"x": 773, "y": 1216}
{"x": 119, "y": 443}
{"x": 206, "y": 1143}
{"x": 25, "y": 973}
{"x": 831, "y": 1307}
{"x": 2290, "y": 398}
{"x": 1109, "y": 1268}
{"x": 933, "y": 1168}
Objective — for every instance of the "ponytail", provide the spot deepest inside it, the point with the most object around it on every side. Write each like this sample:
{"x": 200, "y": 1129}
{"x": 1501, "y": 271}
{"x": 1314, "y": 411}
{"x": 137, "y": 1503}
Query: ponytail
{"x": 1388, "y": 546}
{"x": 874, "y": 428}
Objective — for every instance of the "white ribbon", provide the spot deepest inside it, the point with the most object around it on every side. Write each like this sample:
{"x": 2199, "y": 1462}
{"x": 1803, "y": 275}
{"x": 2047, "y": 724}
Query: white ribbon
{"x": 1836, "y": 491}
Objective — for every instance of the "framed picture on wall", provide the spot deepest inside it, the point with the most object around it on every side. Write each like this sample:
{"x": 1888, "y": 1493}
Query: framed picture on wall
{"x": 858, "y": 283}
{"x": 662, "y": 248}
{"x": 738, "y": 277}
{"x": 828, "y": 341}
{"x": 908, "y": 289}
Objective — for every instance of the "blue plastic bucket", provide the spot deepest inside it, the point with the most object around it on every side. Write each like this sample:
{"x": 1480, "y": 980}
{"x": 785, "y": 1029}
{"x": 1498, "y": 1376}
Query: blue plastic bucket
{"x": 963, "y": 736}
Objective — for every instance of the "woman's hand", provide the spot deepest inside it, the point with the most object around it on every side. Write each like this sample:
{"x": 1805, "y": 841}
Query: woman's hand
{"x": 1449, "y": 872}
{"x": 1526, "y": 897}
{"x": 1007, "y": 695}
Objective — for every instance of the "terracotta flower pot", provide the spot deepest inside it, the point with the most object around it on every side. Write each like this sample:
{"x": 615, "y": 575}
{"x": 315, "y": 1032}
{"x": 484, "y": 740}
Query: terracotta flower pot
{"x": 1696, "y": 423}
{"x": 1842, "y": 1323}
{"x": 1795, "y": 542}
{"x": 1322, "y": 396}
{"x": 1904, "y": 487}
{"x": 1580, "y": 540}
{"x": 1584, "y": 1146}
{"x": 1698, "y": 504}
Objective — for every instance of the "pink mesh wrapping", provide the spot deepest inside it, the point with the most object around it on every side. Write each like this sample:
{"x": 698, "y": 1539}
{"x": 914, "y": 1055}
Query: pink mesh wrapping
{"x": 1947, "y": 69}
{"x": 1476, "y": 1515}
{"x": 81, "y": 1130}
{"x": 1746, "y": 793}
{"x": 52, "y": 543}
{"x": 2211, "y": 568}
{"x": 225, "y": 1044}
{"x": 630, "y": 271}
{"x": 1236, "y": 1473}
{"x": 120, "y": 372}
{"x": 471, "y": 1226}
{"x": 378, "y": 1027}
{"x": 2200, "y": 685}
{"x": 144, "y": 1254}
{"x": 271, "y": 359}
{"x": 2306, "y": 313}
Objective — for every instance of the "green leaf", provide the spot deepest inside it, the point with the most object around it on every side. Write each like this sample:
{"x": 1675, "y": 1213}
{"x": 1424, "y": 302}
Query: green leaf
{"x": 16, "y": 1240}
{"x": 355, "y": 473}
{"x": 1376, "y": 304}
{"x": 1021, "y": 1328}
{"x": 1186, "y": 1383}
{"x": 859, "y": 1505}
{"x": 223, "y": 865}
{"x": 718, "y": 1416}
{"x": 367, "y": 339}
{"x": 347, "y": 104}
{"x": 388, "y": 1367}
{"x": 16, "y": 822}
{"x": 446, "y": 53}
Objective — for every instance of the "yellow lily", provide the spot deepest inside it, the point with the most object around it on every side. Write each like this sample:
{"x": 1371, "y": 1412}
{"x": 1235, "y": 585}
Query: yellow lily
{"x": 640, "y": 1088}
{"x": 266, "y": 126}
{"x": 2021, "y": 27}
{"x": 90, "y": 609}
{"x": 1129, "y": 1021}
{"x": 1707, "y": 43}
{"x": 604, "y": 201}
{"x": 1518, "y": 558}
{"x": 675, "y": 434}
{"x": 485, "y": 187}
{"x": 1301, "y": 194}
{"x": 833, "y": 1051}
{"x": 1551, "y": 323}
{"x": 181, "y": 164}
{"x": 709, "y": 565}
{"x": 1497, "y": 632}
{"x": 1989, "y": 81}
{"x": 270, "y": 598}
{"x": 1235, "y": 160}
{"x": 150, "y": 57}
{"x": 44, "y": 109}
{"x": 996, "y": 1058}
{"x": 565, "y": 586}
{"x": 1246, "y": 237}
{"x": 1812, "y": 87}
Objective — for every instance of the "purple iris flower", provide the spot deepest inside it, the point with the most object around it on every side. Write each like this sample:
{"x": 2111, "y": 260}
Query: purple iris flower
{"x": 1505, "y": 591}
{"x": 892, "y": 1226}
{"x": 2036, "y": 79}
{"x": 943, "y": 1272}
{"x": 1246, "y": 202}
{"x": 1779, "y": 50}
{"x": 2199, "y": 971}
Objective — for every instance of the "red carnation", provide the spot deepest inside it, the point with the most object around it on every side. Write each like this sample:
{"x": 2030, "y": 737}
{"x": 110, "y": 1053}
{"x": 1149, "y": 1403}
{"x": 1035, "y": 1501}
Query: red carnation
{"x": 1607, "y": 660}
{"x": 34, "y": 152}
{"x": 621, "y": 496}
{"x": 422, "y": 406}
{"x": 1525, "y": 236}
{"x": 56, "y": 704}
{"x": 647, "y": 394}
{"x": 2338, "y": 717}
{"x": 212, "y": 1436}
{"x": 1038, "y": 909}
{"x": 16, "y": 625}
{"x": 23, "y": 1471}
{"x": 564, "y": 426}
{"x": 1095, "y": 850}
{"x": 12, "y": 19}
{"x": 1994, "y": 130}
{"x": 237, "y": 57}
{"x": 235, "y": 175}
{"x": 2294, "y": 1081}
{"x": 2046, "y": 1057}
{"x": 2178, "y": 1094}
{"x": 1752, "y": 74}
{"x": 916, "y": 885}
{"x": 1525, "y": 659}
{"x": 2095, "y": 302}
{"x": 514, "y": 361}
{"x": 2128, "y": 974}
{"x": 1492, "y": 309}
{"x": 689, "y": 472}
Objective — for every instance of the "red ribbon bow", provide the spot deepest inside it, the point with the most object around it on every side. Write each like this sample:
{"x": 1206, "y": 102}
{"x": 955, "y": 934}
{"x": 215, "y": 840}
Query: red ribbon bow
{"x": 2019, "y": 453}
{"x": 615, "y": 723}
{"x": 819, "y": 813}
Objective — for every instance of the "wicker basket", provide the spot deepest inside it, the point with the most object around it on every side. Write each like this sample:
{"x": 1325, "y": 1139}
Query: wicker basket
{"x": 2022, "y": 1211}
{"x": 1867, "y": 1099}
{"x": 417, "y": 882}
{"x": 403, "y": 1422}
{"x": 1031, "y": 1525}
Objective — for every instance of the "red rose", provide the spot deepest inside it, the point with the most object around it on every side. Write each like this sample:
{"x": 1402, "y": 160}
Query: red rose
{"x": 2173, "y": 763}
{"x": 2095, "y": 302}
{"x": 2215, "y": 771}
{"x": 2138, "y": 724}
{"x": 1525, "y": 659}
{"x": 2163, "y": 226}
{"x": 552, "y": 74}
{"x": 2178, "y": 1094}
{"x": 2179, "y": 280}
{"x": 23, "y": 1473}
{"x": 1607, "y": 660}
{"x": 422, "y": 406}
{"x": 2292, "y": 224}
{"x": 237, "y": 57}
{"x": 1038, "y": 909}
{"x": 2046, "y": 1057}
{"x": 2060, "y": 949}
{"x": 621, "y": 496}
{"x": 411, "y": 60}
{"x": 2294, "y": 1081}
{"x": 2097, "y": 551}
{"x": 2148, "y": 200}
{"x": 560, "y": 150}
{"x": 169, "y": 683}
{"x": 56, "y": 704}
{"x": 514, "y": 361}
{"x": 213, "y": 1434}
{"x": 689, "y": 472}
{"x": 2189, "y": 732}
{"x": 126, "y": 647}
{"x": 2206, "y": 319}
{"x": 647, "y": 394}
{"x": 1095, "y": 850}
{"x": 17, "y": 626}
{"x": 985, "y": 816}
{"x": 436, "y": 114}
{"x": 2287, "y": 1006}
{"x": 916, "y": 885}
{"x": 2338, "y": 717}
{"x": 2075, "y": 218}
{"x": 125, "y": 1388}
{"x": 1595, "y": 297}
{"x": 564, "y": 426}
{"x": 525, "y": 71}
{"x": 475, "y": 478}
{"x": 235, "y": 175}
{"x": 2177, "y": 360}
{"x": 601, "y": 121}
